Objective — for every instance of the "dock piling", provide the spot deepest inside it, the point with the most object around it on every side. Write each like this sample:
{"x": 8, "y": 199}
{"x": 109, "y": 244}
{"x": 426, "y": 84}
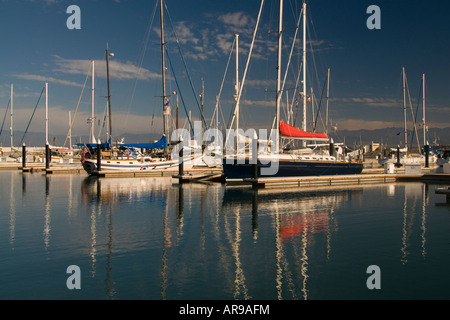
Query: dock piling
{"x": 181, "y": 164}
{"x": 99, "y": 157}
{"x": 24, "y": 156}
{"x": 427, "y": 153}
{"x": 47, "y": 156}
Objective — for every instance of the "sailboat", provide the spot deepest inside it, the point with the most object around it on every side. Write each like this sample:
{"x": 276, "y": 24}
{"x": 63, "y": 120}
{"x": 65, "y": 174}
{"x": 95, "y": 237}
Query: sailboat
{"x": 408, "y": 157}
{"x": 127, "y": 156}
{"x": 302, "y": 162}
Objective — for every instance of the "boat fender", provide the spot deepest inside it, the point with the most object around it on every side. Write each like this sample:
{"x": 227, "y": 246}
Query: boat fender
{"x": 83, "y": 158}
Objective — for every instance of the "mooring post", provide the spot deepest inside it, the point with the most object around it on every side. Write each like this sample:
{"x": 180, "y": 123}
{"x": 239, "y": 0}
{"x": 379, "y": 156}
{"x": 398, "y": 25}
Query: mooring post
{"x": 47, "y": 156}
{"x": 99, "y": 157}
{"x": 24, "y": 156}
{"x": 254, "y": 161}
{"x": 427, "y": 153}
{"x": 398, "y": 164}
{"x": 181, "y": 165}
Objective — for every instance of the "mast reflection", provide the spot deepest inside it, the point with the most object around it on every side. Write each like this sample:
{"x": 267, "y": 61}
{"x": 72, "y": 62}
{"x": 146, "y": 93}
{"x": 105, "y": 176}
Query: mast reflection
{"x": 303, "y": 223}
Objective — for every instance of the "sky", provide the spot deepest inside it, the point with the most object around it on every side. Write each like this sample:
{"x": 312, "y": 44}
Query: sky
{"x": 365, "y": 64}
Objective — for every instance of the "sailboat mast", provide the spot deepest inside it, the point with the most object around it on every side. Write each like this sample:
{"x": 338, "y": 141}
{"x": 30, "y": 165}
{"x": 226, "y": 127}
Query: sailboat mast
{"x": 278, "y": 102}
{"x": 203, "y": 105}
{"x": 304, "y": 66}
{"x": 70, "y": 130}
{"x": 328, "y": 98}
{"x": 236, "y": 36}
{"x": 46, "y": 113}
{"x": 109, "y": 94}
{"x": 11, "y": 99}
{"x": 423, "y": 119}
{"x": 92, "y": 102}
{"x": 163, "y": 70}
{"x": 404, "y": 107}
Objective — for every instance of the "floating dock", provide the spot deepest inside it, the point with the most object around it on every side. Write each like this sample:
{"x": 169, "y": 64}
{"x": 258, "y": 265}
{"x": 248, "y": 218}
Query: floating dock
{"x": 445, "y": 191}
{"x": 159, "y": 173}
{"x": 289, "y": 182}
{"x": 207, "y": 175}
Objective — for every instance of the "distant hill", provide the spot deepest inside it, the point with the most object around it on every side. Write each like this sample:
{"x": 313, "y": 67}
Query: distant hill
{"x": 389, "y": 136}
{"x": 37, "y": 139}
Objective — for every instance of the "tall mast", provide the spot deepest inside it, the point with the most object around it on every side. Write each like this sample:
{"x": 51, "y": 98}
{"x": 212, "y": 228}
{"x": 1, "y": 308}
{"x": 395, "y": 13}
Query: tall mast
{"x": 11, "y": 99}
{"x": 163, "y": 66}
{"x": 236, "y": 36}
{"x": 109, "y": 93}
{"x": 70, "y": 131}
{"x": 423, "y": 119}
{"x": 404, "y": 108}
{"x": 203, "y": 105}
{"x": 304, "y": 66}
{"x": 177, "y": 125}
{"x": 92, "y": 103}
{"x": 278, "y": 102}
{"x": 328, "y": 97}
{"x": 46, "y": 113}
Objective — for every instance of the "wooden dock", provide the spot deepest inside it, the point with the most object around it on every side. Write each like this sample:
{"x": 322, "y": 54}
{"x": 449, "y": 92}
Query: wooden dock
{"x": 74, "y": 169}
{"x": 205, "y": 175}
{"x": 336, "y": 180}
{"x": 200, "y": 177}
{"x": 159, "y": 173}
{"x": 445, "y": 191}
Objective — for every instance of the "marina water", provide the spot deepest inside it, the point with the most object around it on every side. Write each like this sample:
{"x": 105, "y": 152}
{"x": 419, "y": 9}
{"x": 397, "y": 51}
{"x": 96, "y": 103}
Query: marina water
{"x": 150, "y": 238}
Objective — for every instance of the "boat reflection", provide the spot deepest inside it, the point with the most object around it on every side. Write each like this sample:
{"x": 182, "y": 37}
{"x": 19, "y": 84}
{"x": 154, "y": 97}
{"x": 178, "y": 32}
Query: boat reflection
{"x": 302, "y": 225}
{"x": 250, "y": 243}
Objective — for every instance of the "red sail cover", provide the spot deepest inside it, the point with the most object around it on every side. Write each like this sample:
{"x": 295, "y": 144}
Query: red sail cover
{"x": 290, "y": 131}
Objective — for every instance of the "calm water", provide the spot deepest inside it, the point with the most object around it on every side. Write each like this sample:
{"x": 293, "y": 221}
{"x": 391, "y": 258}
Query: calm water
{"x": 146, "y": 238}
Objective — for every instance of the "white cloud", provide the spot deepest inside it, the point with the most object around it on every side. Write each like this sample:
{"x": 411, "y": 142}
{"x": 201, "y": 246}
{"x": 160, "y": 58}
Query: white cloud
{"x": 117, "y": 70}
{"x": 34, "y": 77}
{"x": 374, "y": 102}
{"x": 237, "y": 22}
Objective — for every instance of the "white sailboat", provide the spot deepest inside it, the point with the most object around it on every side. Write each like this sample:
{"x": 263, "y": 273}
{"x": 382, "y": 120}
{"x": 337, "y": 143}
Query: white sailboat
{"x": 408, "y": 157}
{"x": 128, "y": 157}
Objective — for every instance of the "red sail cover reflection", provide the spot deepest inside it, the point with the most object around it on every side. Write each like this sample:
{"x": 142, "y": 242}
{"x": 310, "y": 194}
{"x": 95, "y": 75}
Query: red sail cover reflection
{"x": 307, "y": 223}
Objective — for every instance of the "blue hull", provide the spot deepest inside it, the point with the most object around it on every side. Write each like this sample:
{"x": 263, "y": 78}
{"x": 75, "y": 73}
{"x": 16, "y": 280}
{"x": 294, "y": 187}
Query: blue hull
{"x": 293, "y": 169}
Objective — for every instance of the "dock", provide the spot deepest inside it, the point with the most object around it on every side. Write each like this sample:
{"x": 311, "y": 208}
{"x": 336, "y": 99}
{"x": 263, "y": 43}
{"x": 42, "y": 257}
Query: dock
{"x": 445, "y": 191}
{"x": 188, "y": 174}
{"x": 370, "y": 175}
{"x": 314, "y": 181}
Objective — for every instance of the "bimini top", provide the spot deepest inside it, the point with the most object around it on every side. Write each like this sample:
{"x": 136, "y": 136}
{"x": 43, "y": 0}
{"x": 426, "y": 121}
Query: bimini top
{"x": 161, "y": 144}
{"x": 287, "y": 130}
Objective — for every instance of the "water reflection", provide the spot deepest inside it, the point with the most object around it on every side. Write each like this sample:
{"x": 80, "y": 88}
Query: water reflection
{"x": 300, "y": 234}
{"x": 199, "y": 241}
{"x": 12, "y": 213}
{"x": 301, "y": 220}
{"x": 46, "y": 231}
{"x": 416, "y": 197}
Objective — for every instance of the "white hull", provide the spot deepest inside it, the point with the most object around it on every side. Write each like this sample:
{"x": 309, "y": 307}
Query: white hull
{"x": 90, "y": 165}
{"x": 408, "y": 160}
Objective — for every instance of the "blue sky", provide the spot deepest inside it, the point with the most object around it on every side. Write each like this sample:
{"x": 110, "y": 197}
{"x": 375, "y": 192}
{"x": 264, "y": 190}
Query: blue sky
{"x": 366, "y": 84}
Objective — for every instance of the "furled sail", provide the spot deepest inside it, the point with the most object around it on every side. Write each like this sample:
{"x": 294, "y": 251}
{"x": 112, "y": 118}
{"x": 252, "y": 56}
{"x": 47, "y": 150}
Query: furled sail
{"x": 287, "y": 130}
